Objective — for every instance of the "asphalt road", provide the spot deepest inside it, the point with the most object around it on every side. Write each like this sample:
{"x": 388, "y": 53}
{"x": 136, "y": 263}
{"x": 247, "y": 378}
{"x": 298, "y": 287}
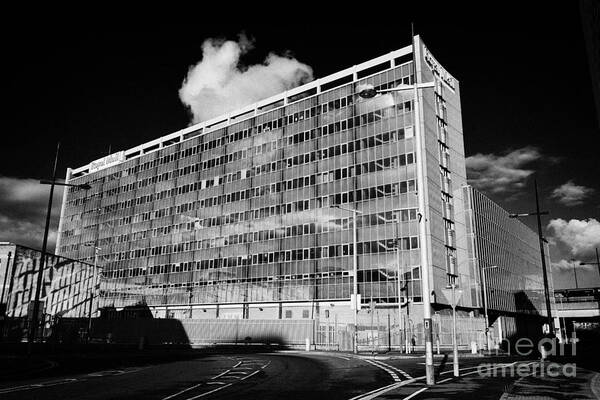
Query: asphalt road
{"x": 287, "y": 375}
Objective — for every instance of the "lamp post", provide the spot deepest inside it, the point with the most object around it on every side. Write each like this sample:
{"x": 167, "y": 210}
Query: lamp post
{"x": 355, "y": 301}
{"x": 399, "y": 287}
{"x": 368, "y": 91}
{"x": 36, "y": 303}
{"x": 485, "y": 305}
{"x": 453, "y": 295}
{"x": 575, "y": 272}
{"x": 538, "y": 214}
{"x": 94, "y": 286}
{"x": 597, "y": 263}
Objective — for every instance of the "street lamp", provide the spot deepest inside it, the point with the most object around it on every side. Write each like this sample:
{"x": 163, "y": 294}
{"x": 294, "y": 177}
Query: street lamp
{"x": 485, "y": 305}
{"x": 575, "y": 272}
{"x": 453, "y": 297}
{"x": 368, "y": 91}
{"x": 36, "y": 302}
{"x": 597, "y": 263}
{"x": 399, "y": 287}
{"x": 355, "y": 300}
{"x": 94, "y": 286}
{"x": 538, "y": 214}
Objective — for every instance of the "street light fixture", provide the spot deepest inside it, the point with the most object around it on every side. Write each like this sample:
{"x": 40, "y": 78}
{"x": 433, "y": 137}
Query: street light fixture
{"x": 94, "y": 286}
{"x": 355, "y": 301}
{"x": 485, "y": 305}
{"x": 36, "y": 303}
{"x": 538, "y": 214}
{"x": 367, "y": 92}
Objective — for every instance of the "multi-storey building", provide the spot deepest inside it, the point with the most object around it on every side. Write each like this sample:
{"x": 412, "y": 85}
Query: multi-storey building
{"x": 504, "y": 256}
{"x": 237, "y": 217}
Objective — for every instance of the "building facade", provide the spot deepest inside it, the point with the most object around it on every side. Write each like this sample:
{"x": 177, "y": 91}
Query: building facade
{"x": 510, "y": 254}
{"x": 66, "y": 289}
{"x": 237, "y": 217}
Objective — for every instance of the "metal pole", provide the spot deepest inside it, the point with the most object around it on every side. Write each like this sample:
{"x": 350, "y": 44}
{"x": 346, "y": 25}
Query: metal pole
{"x": 575, "y": 272}
{"x": 355, "y": 280}
{"x": 421, "y": 184}
{"x": 597, "y": 261}
{"x": 485, "y": 309}
{"x": 545, "y": 272}
{"x": 5, "y": 277}
{"x": 401, "y": 327}
{"x": 454, "y": 344}
{"x": 92, "y": 293}
{"x": 38, "y": 289}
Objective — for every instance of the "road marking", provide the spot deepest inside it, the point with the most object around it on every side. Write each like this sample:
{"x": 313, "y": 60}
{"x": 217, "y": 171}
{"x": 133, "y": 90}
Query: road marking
{"x": 37, "y": 385}
{"x": 407, "y": 376}
{"x": 415, "y": 393}
{"x": 445, "y": 380}
{"x": 212, "y": 391}
{"x": 384, "y": 367}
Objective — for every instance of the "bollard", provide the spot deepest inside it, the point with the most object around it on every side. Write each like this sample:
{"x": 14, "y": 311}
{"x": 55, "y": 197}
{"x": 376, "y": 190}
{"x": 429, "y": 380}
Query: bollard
{"x": 307, "y": 344}
{"x": 473, "y": 347}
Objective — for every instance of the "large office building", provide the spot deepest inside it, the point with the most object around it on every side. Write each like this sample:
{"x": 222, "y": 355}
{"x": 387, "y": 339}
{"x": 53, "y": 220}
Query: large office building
{"x": 249, "y": 215}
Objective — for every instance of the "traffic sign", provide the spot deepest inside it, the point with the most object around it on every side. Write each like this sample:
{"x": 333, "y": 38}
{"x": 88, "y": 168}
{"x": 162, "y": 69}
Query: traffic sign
{"x": 453, "y": 300}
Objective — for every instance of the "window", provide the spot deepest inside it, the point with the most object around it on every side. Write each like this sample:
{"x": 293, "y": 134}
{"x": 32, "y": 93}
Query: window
{"x": 288, "y": 313}
{"x": 305, "y": 313}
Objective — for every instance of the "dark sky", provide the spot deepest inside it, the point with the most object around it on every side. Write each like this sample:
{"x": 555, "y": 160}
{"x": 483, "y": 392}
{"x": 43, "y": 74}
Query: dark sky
{"x": 523, "y": 72}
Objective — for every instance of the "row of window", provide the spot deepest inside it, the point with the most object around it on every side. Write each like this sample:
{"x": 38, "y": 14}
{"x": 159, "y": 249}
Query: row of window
{"x": 332, "y": 151}
{"x": 313, "y": 253}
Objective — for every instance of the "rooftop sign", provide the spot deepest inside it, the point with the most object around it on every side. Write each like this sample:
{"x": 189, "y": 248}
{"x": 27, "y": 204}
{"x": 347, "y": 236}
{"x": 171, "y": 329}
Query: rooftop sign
{"x": 437, "y": 69}
{"x": 108, "y": 161}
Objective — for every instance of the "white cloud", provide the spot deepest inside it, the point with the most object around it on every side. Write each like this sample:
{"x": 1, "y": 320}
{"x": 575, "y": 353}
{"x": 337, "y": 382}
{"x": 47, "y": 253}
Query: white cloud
{"x": 23, "y": 205}
{"x": 219, "y": 83}
{"x": 578, "y": 237}
{"x": 568, "y": 265}
{"x": 571, "y": 194}
{"x": 502, "y": 173}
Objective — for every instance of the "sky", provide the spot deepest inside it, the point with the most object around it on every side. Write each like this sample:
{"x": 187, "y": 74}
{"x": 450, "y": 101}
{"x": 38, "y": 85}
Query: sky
{"x": 527, "y": 102}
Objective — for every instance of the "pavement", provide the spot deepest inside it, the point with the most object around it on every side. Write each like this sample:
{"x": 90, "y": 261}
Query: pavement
{"x": 252, "y": 372}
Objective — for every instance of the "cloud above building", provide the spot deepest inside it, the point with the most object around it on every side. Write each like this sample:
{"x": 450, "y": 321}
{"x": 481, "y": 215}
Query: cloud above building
{"x": 505, "y": 173}
{"x": 568, "y": 265}
{"x": 579, "y": 238}
{"x": 23, "y": 204}
{"x": 221, "y": 82}
{"x": 570, "y": 194}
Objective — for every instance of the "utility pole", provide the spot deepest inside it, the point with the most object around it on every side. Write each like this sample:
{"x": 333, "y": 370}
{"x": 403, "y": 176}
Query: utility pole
{"x": 541, "y": 239}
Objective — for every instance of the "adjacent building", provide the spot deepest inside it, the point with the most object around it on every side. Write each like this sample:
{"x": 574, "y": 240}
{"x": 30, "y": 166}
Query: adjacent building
{"x": 246, "y": 215}
{"x": 66, "y": 288}
{"x": 504, "y": 256}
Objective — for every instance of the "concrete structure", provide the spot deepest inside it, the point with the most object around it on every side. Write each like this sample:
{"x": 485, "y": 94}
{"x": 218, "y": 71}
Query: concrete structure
{"x": 66, "y": 288}
{"x": 509, "y": 252}
{"x": 235, "y": 217}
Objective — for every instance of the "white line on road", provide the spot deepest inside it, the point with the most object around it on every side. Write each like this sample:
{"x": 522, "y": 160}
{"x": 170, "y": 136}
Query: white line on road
{"x": 212, "y": 391}
{"x": 36, "y": 385}
{"x": 415, "y": 393}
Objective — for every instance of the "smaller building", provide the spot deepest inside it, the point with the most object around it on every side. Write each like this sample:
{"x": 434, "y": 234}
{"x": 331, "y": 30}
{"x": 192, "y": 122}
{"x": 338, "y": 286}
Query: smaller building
{"x": 65, "y": 291}
{"x": 505, "y": 256}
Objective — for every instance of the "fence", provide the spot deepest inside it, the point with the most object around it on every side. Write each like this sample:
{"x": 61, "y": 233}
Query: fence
{"x": 376, "y": 334}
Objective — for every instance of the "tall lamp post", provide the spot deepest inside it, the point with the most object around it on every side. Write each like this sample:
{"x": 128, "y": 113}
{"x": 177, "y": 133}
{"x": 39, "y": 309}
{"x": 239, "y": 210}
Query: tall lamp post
{"x": 36, "y": 303}
{"x": 485, "y": 304}
{"x": 355, "y": 300}
{"x": 94, "y": 286}
{"x": 368, "y": 91}
{"x": 539, "y": 214}
{"x": 597, "y": 263}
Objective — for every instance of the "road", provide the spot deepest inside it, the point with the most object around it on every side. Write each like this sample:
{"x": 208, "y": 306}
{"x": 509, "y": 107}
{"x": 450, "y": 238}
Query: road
{"x": 288, "y": 375}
